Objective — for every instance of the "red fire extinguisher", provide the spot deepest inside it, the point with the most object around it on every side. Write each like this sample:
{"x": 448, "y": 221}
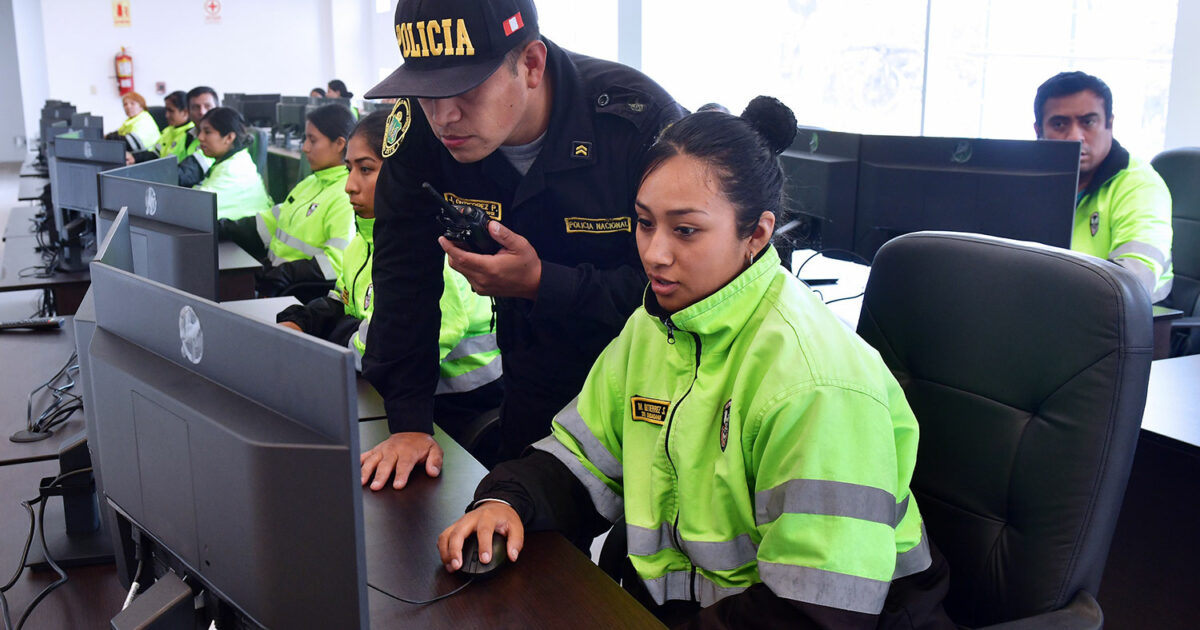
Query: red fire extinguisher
{"x": 124, "y": 72}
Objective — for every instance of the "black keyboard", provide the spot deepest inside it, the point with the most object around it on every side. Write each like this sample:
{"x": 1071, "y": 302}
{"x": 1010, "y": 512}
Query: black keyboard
{"x": 33, "y": 323}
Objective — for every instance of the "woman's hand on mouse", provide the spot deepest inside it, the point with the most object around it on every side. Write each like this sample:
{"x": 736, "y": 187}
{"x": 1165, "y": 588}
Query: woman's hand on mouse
{"x": 489, "y": 517}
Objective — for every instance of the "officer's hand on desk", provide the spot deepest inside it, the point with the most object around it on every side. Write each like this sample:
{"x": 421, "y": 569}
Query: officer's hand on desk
{"x": 514, "y": 271}
{"x": 489, "y": 517}
{"x": 400, "y": 453}
{"x": 292, "y": 325}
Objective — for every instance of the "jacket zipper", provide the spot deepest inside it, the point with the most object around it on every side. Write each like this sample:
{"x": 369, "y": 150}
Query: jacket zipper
{"x": 354, "y": 284}
{"x": 667, "y": 447}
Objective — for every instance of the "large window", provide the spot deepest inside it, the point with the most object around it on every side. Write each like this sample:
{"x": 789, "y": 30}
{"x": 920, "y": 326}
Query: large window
{"x": 861, "y": 65}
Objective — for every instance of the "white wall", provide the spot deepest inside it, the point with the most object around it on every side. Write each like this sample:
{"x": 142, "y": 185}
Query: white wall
{"x": 12, "y": 116}
{"x": 31, "y": 53}
{"x": 259, "y": 46}
{"x": 1183, "y": 105}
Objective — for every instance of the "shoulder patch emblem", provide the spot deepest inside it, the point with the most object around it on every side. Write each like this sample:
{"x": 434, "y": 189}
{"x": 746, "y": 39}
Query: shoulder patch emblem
{"x": 581, "y": 150}
{"x": 725, "y": 424}
{"x": 397, "y": 127}
{"x": 649, "y": 409}
{"x": 312, "y": 208}
{"x": 598, "y": 226}
{"x": 1095, "y": 223}
{"x": 368, "y": 297}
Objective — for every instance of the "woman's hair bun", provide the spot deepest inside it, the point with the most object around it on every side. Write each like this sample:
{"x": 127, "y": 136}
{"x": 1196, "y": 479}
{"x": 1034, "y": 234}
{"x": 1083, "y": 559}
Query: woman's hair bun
{"x": 773, "y": 120}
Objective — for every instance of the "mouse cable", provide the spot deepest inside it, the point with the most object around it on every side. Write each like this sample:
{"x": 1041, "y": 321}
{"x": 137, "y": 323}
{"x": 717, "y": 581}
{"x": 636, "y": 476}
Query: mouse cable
{"x": 849, "y": 297}
{"x": 428, "y": 601}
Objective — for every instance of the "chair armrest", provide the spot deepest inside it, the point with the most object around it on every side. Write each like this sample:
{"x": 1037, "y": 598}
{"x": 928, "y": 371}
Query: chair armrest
{"x": 1185, "y": 323}
{"x": 1082, "y": 613}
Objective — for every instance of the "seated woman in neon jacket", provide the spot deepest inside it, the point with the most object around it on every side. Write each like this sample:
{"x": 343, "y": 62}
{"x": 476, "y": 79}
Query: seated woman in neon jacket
{"x": 759, "y": 452}
{"x": 139, "y": 130}
{"x": 233, "y": 175}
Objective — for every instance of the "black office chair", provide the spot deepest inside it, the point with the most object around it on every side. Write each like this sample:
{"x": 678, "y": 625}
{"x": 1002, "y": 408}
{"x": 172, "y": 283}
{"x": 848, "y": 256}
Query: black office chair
{"x": 1026, "y": 367}
{"x": 260, "y": 139}
{"x": 159, "y": 114}
{"x": 1180, "y": 169}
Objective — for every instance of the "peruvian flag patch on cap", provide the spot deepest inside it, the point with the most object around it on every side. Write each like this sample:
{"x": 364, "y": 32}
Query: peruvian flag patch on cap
{"x": 513, "y": 24}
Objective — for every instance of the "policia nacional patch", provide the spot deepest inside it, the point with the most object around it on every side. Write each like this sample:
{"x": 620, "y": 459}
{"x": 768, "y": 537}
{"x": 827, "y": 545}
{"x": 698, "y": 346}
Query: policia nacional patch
{"x": 397, "y": 127}
{"x": 649, "y": 409}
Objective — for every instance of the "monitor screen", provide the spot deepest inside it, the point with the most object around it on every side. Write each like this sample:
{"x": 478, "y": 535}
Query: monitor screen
{"x": 231, "y": 447}
{"x": 820, "y": 180}
{"x": 87, "y": 121}
{"x": 291, "y": 115}
{"x": 259, "y": 109}
{"x": 1019, "y": 189}
{"x": 173, "y": 230}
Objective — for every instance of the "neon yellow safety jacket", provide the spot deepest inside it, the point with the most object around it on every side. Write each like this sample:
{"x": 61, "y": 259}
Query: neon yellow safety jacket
{"x": 174, "y": 141}
{"x": 315, "y": 221}
{"x": 1124, "y": 216}
{"x": 239, "y": 188}
{"x": 467, "y": 346}
{"x": 143, "y": 128}
{"x": 751, "y": 437}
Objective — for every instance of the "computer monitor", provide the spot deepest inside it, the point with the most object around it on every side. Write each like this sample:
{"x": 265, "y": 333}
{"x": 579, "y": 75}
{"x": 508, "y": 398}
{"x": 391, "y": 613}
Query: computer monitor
{"x": 173, "y": 230}
{"x": 259, "y": 109}
{"x": 371, "y": 106}
{"x": 325, "y": 100}
{"x": 233, "y": 100}
{"x": 295, "y": 100}
{"x": 74, "y": 193}
{"x": 1020, "y": 189}
{"x": 87, "y": 121}
{"x": 228, "y": 448}
{"x": 820, "y": 180}
{"x": 290, "y": 117}
{"x": 53, "y": 111}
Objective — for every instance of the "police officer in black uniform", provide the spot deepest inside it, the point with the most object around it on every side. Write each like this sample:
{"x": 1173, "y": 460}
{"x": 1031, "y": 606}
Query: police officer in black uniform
{"x": 549, "y": 143}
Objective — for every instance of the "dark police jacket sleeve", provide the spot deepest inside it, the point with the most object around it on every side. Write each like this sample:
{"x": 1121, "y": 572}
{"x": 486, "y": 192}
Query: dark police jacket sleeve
{"x": 574, "y": 206}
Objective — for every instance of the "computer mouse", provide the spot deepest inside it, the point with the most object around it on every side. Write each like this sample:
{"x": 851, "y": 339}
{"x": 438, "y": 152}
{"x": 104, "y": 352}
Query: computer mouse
{"x": 470, "y": 555}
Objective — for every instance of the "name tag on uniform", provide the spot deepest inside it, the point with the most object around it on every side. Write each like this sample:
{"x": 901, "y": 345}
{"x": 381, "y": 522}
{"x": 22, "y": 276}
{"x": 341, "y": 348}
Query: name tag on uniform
{"x": 588, "y": 225}
{"x": 649, "y": 409}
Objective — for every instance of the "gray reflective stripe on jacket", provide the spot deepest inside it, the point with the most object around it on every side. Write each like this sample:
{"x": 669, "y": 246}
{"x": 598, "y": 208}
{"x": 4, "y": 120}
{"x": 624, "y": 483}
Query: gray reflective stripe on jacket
{"x": 316, "y": 253}
{"x": 679, "y": 585}
{"x": 609, "y": 504}
{"x": 824, "y": 588}
{"x": 472, "y": 345}
{"x": 468, "y": 381}
{"x": 832, "y": 498}
{"x": 711, "y": 555}
{"x": 595, "y": 452}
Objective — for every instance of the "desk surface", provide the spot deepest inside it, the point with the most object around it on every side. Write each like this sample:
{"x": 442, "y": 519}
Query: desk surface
{"x": 91, "y": 596}
{"x": 28, "y": 359}
{"x": 1173, "y": 400}
{"x": 552, "y": 584}
{"x": 31, "y": 188}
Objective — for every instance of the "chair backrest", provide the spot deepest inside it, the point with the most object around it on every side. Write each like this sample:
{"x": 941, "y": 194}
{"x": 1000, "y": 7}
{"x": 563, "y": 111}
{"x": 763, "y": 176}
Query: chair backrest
{"x": 1180, "y": 169}
{"x": 159, "y": 114}
{"x": 260, "y": 140}
{"x": 1026, "y": 367}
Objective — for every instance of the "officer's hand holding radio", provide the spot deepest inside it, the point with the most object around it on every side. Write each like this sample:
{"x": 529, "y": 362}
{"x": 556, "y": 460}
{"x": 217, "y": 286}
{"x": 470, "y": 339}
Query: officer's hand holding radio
{"x": 514, "y": 271}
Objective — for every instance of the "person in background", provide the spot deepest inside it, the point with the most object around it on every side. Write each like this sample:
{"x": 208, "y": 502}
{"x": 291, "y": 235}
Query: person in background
{"x": 300, "y": 240}
{"x": 139, "y": 130}
{"x": 174, "y": 138}
{"x": 337, "y": 89}
{"x": 469, "y": 381}
{"x": 233, "y": 176}
{"x": 194, "y": 166}
{"x": 316, "y": 93}
{"x": 752, "y": 496}
{"x": 1123, "y": 207}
